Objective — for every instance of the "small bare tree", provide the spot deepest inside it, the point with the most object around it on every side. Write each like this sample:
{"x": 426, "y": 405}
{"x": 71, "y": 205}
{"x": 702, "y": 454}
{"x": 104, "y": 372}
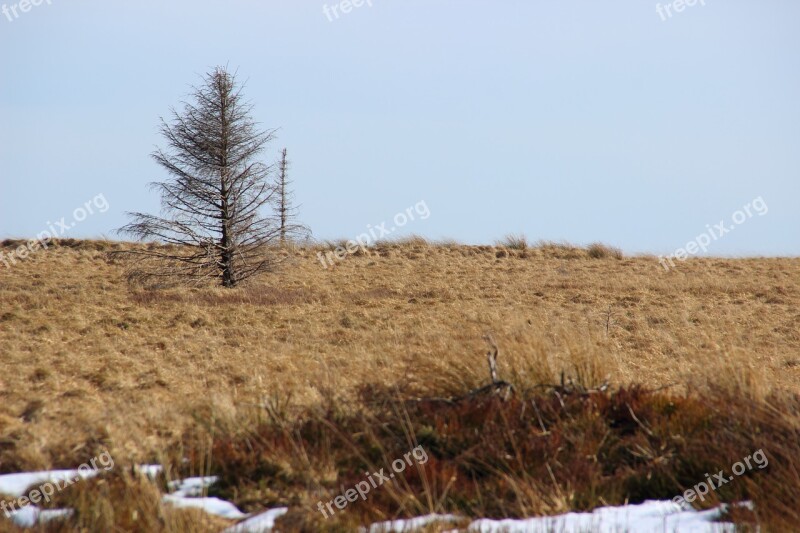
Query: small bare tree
{"x": 287, "y": 211}
{"x": 211, "y": 204}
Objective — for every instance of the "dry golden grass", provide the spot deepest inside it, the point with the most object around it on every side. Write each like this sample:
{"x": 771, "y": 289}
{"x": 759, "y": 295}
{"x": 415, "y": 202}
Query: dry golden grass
{"x": 91, "y": 363}
{"x": 101, "y": 362}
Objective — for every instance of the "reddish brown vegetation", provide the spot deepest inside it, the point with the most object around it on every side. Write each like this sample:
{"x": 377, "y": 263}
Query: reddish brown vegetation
{"x": 535, "y": 453}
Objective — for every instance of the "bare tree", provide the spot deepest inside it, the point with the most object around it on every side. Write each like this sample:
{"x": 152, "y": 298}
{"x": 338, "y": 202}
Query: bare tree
{"x": 210, "y": 206}
{"x": 287, "y": 211}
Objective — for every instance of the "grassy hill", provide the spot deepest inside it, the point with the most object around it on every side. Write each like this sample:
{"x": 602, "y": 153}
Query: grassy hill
{"x": 158, "y": 376}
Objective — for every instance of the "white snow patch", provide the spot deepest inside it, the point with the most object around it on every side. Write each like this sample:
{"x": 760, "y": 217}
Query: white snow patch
{"x": 410, "y": 524}
{"x": 214, "y": 506}
{"x": 260, "y": 523}
{"x": 16, "y": 484}
{"x": 191, "y": 486}
{"x": 151, "y": 471}
{"x": 185, "y": 494}
{"x": 30, "y": 515}
{"x": 648, "y": 517}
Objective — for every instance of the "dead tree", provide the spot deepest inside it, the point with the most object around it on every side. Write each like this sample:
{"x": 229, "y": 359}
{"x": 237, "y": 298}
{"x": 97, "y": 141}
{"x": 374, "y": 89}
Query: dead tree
{"x": 287, "y": 212}
{"x": 283, "y": 202}
{"x": 211, "y": 203}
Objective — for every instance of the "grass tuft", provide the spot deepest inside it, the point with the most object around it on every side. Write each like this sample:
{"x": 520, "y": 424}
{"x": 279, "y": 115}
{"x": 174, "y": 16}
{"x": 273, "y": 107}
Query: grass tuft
{"x": 514, "y": 242}
{"x": 602, "y": 251}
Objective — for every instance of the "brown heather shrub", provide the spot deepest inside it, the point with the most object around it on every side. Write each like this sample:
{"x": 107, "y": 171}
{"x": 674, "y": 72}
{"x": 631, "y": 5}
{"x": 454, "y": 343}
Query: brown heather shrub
{"x": 538, "y": 453}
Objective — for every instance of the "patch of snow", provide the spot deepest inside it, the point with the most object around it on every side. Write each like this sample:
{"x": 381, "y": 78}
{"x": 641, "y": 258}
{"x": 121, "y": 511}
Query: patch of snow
{"x": 260, "y": 523}
{"x": 184, "y": 490}
{"x": 648, "y": 517}
{"x": 30, "y": 515}
{"x": 191, "y": 486}
{"x": 185, "y": 494}
{"x": 16, "y": 484}
{"x": 150, "y": 471}
{"x": 214, "y": 506}
{"x": 410, "y": 524}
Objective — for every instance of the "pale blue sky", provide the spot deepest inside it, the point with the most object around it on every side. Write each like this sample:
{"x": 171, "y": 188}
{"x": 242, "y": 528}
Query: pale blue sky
{"x": 572, "y": 120}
